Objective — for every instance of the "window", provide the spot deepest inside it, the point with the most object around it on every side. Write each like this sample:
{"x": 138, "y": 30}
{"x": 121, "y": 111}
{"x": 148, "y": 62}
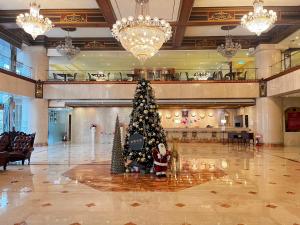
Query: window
{"x": 5, "y": 55}
{"x": 23, "y": 66}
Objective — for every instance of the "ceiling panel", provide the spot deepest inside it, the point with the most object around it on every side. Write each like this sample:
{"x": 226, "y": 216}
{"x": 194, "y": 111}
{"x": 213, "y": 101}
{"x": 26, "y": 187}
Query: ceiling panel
{"x": 222, "y": 3}
{"x": 81, "y": 32}
{"x": 215, "y": 31}
{"x": 49, "y": 4}
{"x": 292, "y": 41}
{"x": 166, "y": 9}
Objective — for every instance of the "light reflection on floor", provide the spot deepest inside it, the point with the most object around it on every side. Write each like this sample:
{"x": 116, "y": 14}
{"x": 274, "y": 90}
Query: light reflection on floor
{"x": 255, "y": 188}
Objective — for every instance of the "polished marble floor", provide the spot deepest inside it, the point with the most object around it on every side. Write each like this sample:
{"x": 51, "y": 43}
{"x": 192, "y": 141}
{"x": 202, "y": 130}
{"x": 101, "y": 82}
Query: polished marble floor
{"x": 71, "y": 185}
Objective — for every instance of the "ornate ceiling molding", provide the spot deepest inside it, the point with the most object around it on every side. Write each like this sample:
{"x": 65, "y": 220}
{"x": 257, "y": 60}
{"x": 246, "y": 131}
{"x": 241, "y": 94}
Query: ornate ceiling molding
{"x": 204, "y": 16}
{"x": 63, "y": 17}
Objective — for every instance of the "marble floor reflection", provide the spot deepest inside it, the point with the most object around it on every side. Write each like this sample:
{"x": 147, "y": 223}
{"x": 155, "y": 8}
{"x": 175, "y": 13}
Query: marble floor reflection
{"x": 71, "y": 185}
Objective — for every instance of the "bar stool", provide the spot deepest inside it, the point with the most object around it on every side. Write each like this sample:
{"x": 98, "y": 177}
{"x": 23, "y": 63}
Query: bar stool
{"x": 184, "y": 136}
{"x": 194, "y": 135}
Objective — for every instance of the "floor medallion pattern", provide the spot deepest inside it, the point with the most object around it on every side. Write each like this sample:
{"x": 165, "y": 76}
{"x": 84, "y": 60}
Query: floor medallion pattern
{"x": 100, "y": 178}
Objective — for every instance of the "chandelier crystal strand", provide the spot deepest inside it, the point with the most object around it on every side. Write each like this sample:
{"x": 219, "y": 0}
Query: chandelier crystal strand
{"x": 230, "y": 48}
{"x": 33, "y": 23}
{"x": 260, "y": 20}
{"x": 142, "y": 36}
{"x": 68, "y": 49}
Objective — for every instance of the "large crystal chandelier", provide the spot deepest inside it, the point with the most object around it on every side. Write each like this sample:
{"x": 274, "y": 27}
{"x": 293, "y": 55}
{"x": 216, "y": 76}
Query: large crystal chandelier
{"x": 68, "y": 49}
{"x": 260, "y": 20}
{"x": 229, "y": 49}
{"x": 34, "y": 23}
{"x": 143, "y": 36}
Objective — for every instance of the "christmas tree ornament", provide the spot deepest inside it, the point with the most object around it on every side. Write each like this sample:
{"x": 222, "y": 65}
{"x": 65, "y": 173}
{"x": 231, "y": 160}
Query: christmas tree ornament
{"x": 117, "y": 163}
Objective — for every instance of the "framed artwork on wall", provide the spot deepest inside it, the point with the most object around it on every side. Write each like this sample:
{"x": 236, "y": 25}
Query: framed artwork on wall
{"x": 185, "y": 113}
{"x": 292, "y": 119}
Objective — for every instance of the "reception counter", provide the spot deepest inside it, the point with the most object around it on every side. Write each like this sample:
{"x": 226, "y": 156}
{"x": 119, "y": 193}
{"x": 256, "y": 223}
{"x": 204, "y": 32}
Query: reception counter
{"x": 201, "y": 134}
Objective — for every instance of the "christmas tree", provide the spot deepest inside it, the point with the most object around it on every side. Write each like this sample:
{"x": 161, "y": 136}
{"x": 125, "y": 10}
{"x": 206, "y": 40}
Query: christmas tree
{"x": 145, "y": 121}
{"x": 117, "y": 162}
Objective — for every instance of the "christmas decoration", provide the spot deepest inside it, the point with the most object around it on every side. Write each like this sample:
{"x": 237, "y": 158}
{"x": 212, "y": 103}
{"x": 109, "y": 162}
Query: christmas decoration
{"x": 175, "y": 161}
{"x": 117, "y": 162}
{"x": 144, "y": 120}
{"x": 161, "y": 158}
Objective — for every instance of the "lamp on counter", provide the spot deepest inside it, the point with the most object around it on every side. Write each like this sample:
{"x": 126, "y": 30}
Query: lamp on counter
{"x": 223, "y": 122}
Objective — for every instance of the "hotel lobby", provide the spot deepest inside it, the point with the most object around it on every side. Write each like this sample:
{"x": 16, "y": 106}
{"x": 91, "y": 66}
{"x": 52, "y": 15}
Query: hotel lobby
{"x": 148, "y": 112}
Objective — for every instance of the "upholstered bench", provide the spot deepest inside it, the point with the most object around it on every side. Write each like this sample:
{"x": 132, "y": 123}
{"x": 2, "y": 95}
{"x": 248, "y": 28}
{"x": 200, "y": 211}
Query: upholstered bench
{"x": 4, "y": 158}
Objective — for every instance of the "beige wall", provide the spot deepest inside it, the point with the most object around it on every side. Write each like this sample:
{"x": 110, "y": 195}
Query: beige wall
{"x": 104, "y": 118}
{"x": 162, "y": 91}
{"x": 291, "y": 138}
{"x": 251, "y": 112}
{"x": 286, "y": 84}
{"x": 16, "y": 86}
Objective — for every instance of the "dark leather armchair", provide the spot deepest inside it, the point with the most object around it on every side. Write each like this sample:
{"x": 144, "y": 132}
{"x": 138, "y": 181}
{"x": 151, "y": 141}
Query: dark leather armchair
{"x": 22, "y": 147}
{"x": 4, "y": 142}
{"x": 4, "y": 158}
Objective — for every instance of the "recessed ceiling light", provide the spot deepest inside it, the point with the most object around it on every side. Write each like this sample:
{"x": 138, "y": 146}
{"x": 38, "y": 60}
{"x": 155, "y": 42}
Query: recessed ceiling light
{"x": 297, "y": 37}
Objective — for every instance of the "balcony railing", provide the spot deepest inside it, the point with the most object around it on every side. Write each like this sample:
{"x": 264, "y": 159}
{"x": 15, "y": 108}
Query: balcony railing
{"x": 287, "y": 63}
{"x": 128, "y": 75}
{"x": 17, "y": 67}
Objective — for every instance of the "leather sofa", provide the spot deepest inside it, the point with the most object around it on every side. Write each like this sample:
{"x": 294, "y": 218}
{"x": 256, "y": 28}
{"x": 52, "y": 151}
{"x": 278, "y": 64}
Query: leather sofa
{"x": 17, "y": 145}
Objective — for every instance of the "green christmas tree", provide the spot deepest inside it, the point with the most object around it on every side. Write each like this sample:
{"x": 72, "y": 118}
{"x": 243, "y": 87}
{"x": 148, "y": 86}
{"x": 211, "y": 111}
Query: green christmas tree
{"x": 117, "y": 162}
{"x": 144, "y": 120}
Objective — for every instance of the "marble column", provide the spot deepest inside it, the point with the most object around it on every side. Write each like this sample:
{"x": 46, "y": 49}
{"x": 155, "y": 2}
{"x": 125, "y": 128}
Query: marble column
{"x": 37, "y": 56}
{"x": 266, "y": 56}
{"x": 38, "y": 120}
{"x": 269, "y": 120}
{"x": 269, "y": 109}
{"x": 38, "y": 108}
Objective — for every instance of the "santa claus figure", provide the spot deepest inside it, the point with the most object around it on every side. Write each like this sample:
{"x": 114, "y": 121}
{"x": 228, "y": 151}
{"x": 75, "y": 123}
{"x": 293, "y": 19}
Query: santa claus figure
{"x": 161, "y": 158}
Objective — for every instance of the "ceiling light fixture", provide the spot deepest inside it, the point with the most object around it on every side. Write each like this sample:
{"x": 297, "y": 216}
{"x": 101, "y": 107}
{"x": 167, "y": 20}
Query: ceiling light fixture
{"x": 142, "y": 36}
{"x": 230, "y": 48}
{"x": 68, "y": 49}
{"x": 33, "y": 23}
{"x": 260, "y": 20}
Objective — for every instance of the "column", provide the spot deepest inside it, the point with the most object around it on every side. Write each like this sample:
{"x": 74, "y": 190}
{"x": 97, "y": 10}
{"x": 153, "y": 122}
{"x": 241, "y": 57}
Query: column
{"x": 37, "y": 57}
{"x": 269, "y": 109}
{"x": 38, "y": 108}
{"x": 269, "y": 120}
{"x": 267, "y": 55}
{"x": 38, "y": 120}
